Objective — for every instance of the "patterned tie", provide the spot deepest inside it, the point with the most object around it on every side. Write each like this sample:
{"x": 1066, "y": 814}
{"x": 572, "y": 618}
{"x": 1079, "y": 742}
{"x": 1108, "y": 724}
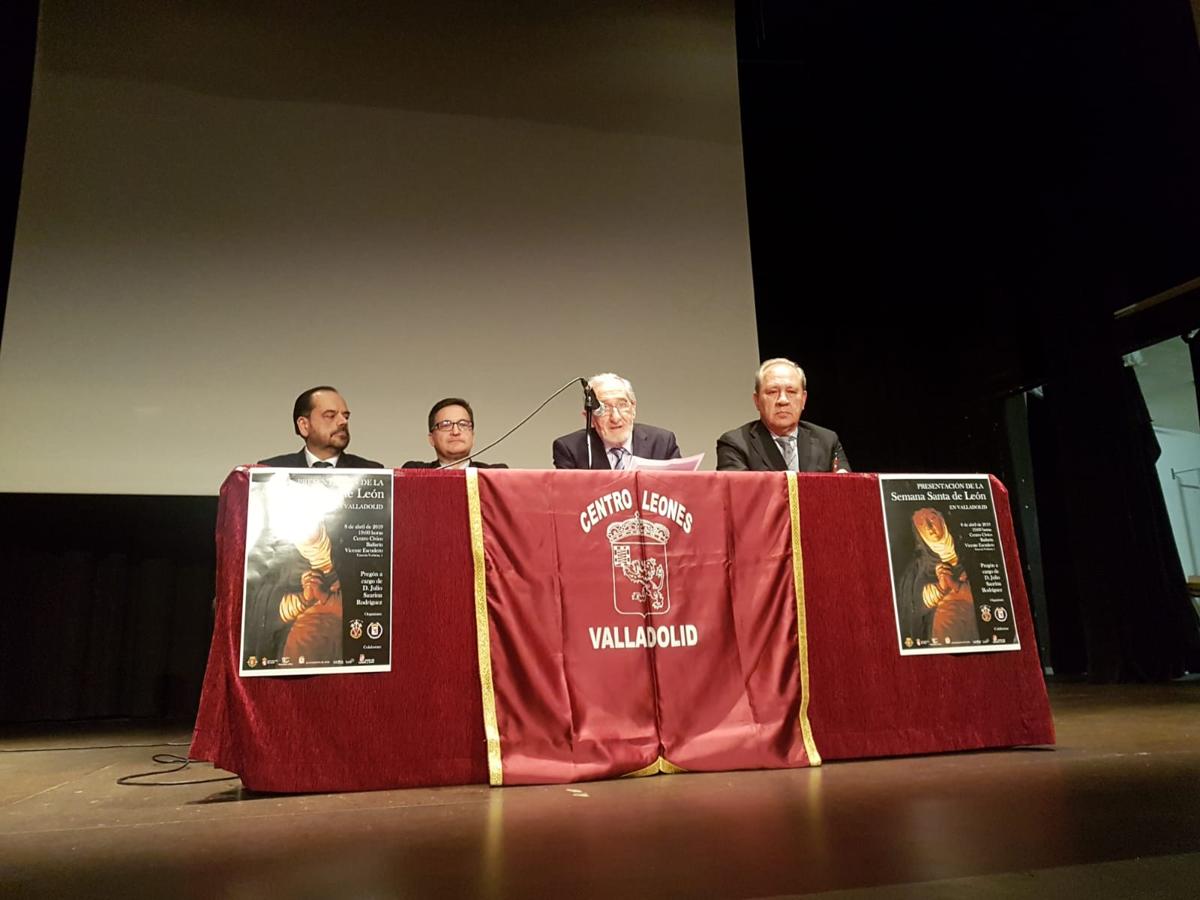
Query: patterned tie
{"x": 787, "y": 445}
{"x": 322, "y": 464}
{"x": 617, "y": 455}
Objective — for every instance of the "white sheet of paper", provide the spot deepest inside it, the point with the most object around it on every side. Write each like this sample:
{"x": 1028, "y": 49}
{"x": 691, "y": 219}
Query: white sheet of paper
{"x": 686, "y": 464}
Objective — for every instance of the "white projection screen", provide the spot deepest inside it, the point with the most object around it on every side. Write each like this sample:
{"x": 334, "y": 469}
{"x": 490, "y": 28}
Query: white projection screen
{"x": 226, "y": 203}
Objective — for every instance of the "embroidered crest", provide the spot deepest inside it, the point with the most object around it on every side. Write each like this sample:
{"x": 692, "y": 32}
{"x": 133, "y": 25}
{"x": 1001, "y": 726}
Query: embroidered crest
{"x": 640, "y": 568}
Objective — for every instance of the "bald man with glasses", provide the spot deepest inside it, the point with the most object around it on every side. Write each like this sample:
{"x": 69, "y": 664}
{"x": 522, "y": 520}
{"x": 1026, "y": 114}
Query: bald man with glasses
{"x": 452, "y": 436}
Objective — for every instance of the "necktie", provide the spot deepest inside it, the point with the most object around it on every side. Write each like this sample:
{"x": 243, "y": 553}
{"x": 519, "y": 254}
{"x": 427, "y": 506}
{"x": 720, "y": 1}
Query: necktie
{"x": 322, "y": 464}
{"x": 787, "y": 445}
{"x": 617, "y": 456}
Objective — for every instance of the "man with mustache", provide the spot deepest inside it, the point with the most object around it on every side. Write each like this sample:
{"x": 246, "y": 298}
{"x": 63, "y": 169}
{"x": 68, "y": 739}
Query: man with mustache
{"x": 321, "y": 417}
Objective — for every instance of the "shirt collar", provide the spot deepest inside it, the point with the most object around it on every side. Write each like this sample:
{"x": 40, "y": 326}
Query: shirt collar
{"x": 310, "y": 459}
{"x": 627, "y": 446}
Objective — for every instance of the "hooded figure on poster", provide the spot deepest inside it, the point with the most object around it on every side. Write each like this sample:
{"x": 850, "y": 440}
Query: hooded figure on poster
{"x": 295, "y": 607}
{"x": 294, "y": 575}
{"x": 936, "y": 599}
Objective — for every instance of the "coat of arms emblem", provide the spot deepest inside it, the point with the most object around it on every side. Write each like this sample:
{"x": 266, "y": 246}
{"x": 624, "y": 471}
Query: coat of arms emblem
{"x": 640, "y": 574}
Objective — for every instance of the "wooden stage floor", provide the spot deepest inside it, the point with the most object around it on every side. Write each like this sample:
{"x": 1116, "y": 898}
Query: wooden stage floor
{"x": 1113, "y": 811}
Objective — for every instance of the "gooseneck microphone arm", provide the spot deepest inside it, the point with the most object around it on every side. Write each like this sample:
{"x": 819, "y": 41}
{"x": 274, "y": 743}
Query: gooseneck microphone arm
{"x": 541, "y": 406}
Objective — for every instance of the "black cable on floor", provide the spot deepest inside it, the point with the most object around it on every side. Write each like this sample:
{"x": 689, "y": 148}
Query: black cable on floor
{"x": 169, "y": 759}
{"x": 94, "y": 747}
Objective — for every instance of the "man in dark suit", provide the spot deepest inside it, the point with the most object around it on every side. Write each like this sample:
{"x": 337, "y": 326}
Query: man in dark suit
{"x": 452, "y": 436}
{"x": 614, "y": 436}
{"x": 778, "y": 441}
{"x": 320, "y": 416}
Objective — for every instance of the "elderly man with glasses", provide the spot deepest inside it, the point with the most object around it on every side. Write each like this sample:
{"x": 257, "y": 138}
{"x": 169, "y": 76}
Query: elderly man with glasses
{"x": 614, "y": 436}
{"x": 778, "y": 441}
{"x": 452, "y": 436}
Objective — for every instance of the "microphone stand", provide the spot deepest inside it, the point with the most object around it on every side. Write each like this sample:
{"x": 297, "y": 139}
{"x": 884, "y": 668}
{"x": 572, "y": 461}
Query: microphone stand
{"x": 590, "y": 405}
{"x": 587, "y": 434}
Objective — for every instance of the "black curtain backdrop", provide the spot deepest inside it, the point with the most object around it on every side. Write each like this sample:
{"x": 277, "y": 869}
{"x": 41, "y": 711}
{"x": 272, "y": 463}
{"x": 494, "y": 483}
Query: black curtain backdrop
{"x": 1120, "y": 609}
{"x": 107, "y": 605}
{"x": 948, "y": 202}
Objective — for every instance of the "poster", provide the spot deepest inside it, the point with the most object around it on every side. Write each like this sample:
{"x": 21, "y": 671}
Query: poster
{"x": 317, "y": 596}
{"x": 950, "y": 586}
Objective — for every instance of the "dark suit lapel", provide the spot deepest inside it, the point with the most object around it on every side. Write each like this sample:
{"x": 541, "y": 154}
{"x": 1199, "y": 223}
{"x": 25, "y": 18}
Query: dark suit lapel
{"x": 810, "y": 458}
{"x": 599, "y": 457}
{"x": 767, "y": 448}
{"x": 640, "y": 445}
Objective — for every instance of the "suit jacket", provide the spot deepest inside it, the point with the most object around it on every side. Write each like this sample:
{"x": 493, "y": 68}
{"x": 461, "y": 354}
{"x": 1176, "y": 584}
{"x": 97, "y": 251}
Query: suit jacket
{"x": 570, "y": 450}
{"x": 752, "y": 448}
{"x": 474, "y": 464}
{"x": 297, "y": 460}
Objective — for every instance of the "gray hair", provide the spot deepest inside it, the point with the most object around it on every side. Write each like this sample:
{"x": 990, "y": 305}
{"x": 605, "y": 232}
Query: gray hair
{"x": 612, "y": 378}
{"x": 778, "y": 361}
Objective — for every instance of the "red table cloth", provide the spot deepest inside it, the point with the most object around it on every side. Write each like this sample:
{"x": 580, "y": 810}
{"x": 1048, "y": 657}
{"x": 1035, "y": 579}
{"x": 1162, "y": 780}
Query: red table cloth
{"x": 423, "y": 723}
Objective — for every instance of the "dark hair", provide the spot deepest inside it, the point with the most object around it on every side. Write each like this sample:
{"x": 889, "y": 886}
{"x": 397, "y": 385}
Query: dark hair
{"x": 304, "y": 404}
{"x": 449, "y": 401}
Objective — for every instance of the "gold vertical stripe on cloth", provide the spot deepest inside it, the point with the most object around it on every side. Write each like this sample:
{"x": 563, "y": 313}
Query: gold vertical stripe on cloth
{"x": 810, "y": 746}
{"x": 660, "y": 765}
{"x": 483, "y": 644}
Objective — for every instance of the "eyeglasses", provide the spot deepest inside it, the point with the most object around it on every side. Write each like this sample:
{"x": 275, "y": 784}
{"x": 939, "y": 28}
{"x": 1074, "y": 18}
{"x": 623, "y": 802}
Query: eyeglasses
{"x": 447, "y": 425}
{"x": 621, "y": 406}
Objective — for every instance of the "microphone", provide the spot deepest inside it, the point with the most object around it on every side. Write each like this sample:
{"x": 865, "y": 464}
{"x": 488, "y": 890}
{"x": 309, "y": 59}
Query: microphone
{"x": 592, "y": 407}
{"x": 591, "y": 403}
